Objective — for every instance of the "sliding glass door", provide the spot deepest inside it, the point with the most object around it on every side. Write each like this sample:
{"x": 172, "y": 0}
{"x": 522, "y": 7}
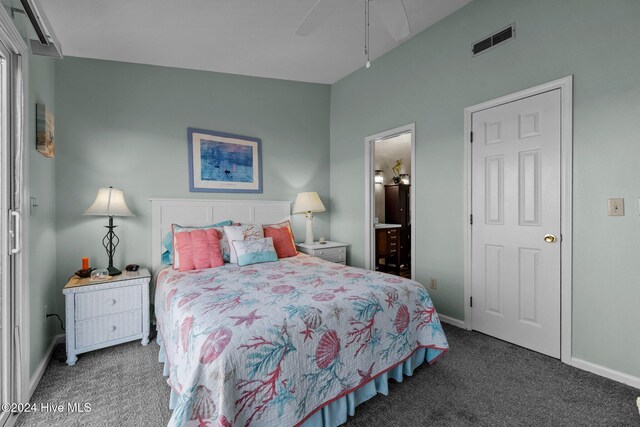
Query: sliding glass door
{"x": 7, "y": 236}
{"x": 14, "y": 344}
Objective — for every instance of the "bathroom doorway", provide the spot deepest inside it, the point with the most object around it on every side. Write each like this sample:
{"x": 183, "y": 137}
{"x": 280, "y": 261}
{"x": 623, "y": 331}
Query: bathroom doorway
{"x": 390, "y": 169}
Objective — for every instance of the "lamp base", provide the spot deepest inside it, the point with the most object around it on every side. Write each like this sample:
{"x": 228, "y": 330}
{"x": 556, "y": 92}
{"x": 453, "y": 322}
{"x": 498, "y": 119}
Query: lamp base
{"x": 309, "y": 235}
{"x": 113, "y": 271}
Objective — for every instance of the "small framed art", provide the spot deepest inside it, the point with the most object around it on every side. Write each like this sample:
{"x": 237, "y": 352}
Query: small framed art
{"x": 224, "y": 163}
{"x": 44, "y": 131}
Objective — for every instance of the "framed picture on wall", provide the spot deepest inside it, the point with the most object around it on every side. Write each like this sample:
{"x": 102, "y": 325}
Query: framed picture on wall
{"x": 45, "y": 142}
{"x": 224, "y": 163}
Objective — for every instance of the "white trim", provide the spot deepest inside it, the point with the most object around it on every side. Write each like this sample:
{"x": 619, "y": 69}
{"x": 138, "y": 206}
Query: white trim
{"x": 452, "y": 321}
{"x": 42, "y": 366}
{"x": 612, "y": 374}
{"x": 565, "y": 85}
{"x": 369, "y": 191}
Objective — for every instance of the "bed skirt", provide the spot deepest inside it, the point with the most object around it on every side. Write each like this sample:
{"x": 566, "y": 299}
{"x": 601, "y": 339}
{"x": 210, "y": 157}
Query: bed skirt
{"x": 336, "y": 412}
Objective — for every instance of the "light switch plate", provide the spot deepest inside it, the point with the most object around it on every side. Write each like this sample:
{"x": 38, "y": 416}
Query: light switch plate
{"x": 616, "y": 207}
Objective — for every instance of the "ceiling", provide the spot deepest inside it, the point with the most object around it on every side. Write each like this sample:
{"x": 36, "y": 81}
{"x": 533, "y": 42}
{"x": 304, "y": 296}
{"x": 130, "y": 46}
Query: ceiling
{"x": 248, "y": 37}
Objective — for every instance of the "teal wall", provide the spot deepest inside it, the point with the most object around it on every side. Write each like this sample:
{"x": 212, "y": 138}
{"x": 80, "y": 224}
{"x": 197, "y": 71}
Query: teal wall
{"x": 431, "y": 78}
{"x": 126, "y": 125}
{"x": 43, "y": 287}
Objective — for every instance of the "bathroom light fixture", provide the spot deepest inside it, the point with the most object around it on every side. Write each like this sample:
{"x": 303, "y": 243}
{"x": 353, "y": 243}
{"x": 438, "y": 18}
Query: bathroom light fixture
{"x": 379, "y": 177}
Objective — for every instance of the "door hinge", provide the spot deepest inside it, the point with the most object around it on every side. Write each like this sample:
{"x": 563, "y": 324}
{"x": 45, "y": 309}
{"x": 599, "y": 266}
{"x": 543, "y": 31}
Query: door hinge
{"x": 471, "y": 137}
{"x": 471, "y": 219}
{"x": 470, "y": 301}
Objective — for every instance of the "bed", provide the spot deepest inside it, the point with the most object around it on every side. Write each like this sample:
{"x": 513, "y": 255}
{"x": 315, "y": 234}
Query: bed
{"x": 300, "y": 341}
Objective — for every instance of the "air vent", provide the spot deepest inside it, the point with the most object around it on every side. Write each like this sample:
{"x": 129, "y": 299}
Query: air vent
{"x": 494, "y": 40}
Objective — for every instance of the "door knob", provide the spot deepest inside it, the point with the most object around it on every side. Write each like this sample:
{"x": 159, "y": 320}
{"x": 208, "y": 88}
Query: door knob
{"x": 550, "y": 238}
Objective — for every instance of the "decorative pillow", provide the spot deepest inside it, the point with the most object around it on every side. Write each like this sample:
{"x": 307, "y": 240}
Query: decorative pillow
{"x": 254, "y": 251}
{"x": 167, "y": 241}
{"x": 282, "y": 239}
{"x": 167, "y": 244}
{"x": 198, "y": 249}
{"x": 170, "y": 244}
{"x": 242, "y": 232}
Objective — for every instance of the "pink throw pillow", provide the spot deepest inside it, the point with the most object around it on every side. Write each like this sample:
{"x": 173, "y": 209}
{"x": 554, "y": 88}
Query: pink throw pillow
{"x": 198, "y": 249}
{"x": 282, "y": 239}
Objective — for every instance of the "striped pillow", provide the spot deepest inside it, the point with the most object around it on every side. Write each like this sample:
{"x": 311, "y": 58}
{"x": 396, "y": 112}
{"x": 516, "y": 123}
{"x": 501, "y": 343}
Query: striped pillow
{"x": 167, "y": 241}
{"x": 177, "y": 229}
{"x": 198, "y": 249}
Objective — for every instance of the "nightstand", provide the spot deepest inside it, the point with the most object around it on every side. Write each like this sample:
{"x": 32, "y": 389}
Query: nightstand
{"x": 330, "y": 251}
{"x": 102, "y": 313}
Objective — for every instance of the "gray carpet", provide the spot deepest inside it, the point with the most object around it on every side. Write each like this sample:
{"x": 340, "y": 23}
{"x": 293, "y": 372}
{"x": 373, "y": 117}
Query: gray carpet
{"x": 482, "y": 381}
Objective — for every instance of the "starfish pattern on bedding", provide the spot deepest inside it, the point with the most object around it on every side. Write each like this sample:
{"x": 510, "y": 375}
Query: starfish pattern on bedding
{"x": 247, "y": 320}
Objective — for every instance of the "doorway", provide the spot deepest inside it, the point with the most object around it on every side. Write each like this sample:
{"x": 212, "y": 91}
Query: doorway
{"x": 518, "y": 264}
{"x": 390, "y": 200}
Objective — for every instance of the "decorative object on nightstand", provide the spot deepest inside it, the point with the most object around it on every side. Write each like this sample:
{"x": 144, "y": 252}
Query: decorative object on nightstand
{"x": 84, "y": 273}
{"x": 307, "y": 203}
{"x": 110, "y": 202}
{"x": 106, "y": 312}
{"x": 329, "y": 251}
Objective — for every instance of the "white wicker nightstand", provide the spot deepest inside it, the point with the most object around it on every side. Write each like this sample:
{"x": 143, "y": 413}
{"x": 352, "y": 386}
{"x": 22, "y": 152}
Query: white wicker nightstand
{"x": 104, "y": 313}
{"x": 330, "y": 251}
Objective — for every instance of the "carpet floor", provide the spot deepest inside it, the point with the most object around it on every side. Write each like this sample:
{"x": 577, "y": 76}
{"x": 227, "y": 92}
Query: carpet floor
{"x": 482, "y": 381}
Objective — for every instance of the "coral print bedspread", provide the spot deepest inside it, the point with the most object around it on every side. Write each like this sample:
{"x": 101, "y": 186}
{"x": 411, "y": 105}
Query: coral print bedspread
{"x": 268, "y": 345}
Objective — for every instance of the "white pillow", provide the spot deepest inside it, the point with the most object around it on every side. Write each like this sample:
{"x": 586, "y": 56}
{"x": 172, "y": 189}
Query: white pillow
{"x": 242, "y": 232}
{"x": 254, "y": 251}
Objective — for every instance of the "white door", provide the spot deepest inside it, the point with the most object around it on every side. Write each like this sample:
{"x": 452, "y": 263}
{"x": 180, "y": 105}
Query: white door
{"x": 515, "y": 260}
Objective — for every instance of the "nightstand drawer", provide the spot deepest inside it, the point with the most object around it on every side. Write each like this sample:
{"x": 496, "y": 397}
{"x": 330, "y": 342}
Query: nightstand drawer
{"x": 108, "y": 301}
{"x": 331, "y": 254}
{"x": 108, "y": 328}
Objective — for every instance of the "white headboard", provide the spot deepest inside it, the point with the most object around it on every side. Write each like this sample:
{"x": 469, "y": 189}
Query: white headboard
{"x": 193, "y": 212}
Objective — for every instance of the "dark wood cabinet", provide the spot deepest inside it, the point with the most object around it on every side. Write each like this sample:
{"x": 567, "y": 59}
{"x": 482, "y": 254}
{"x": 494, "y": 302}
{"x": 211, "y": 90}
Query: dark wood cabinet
{"x": 387, "y": 245}
{"x": 397, "y": 211}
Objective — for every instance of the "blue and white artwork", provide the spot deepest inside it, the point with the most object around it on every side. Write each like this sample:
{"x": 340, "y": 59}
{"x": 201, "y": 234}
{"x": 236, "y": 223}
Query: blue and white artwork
{"x": 222, "y": 162}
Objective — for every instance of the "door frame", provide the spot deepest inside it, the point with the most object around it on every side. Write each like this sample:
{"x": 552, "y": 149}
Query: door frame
{"x": 370, "y": 198}
{"x": 565, "y": 85}
{"x": 14, "y": 41}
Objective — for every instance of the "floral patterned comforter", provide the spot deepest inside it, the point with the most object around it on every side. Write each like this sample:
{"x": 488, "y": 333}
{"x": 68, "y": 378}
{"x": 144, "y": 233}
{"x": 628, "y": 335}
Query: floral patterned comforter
{"x": 269, "y": 344}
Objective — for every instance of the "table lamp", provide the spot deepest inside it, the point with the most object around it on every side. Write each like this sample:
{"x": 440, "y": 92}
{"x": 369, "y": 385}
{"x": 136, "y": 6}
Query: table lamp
{"x": 307, "y": 203}
{"x": 110, "y": 202}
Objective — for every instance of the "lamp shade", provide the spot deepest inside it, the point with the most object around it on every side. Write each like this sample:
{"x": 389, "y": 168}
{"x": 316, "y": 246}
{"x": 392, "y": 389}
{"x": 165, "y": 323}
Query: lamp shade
{"x": 308, "y": 202}
{"x": 109, "y": 202}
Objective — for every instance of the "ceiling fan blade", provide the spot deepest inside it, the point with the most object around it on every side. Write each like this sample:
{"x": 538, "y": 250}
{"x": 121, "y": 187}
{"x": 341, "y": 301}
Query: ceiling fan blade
{"x": 318, "y": 13}
{"x": 394, "y": 17}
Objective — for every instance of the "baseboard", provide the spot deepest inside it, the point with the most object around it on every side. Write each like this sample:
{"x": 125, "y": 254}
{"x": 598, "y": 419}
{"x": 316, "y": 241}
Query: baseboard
{"x": 42, "y": 366}
{"x": 612, "y": 374}
{"x": 451, "y": 321}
